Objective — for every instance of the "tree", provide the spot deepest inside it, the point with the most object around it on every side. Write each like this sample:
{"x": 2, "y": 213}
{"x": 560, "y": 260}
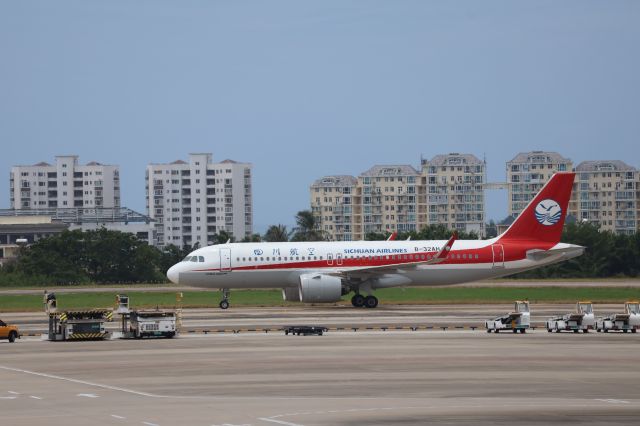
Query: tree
{"x": 277, "y": 233}
{"x": 306, "y": 229}
{"x": 253, "y": 238}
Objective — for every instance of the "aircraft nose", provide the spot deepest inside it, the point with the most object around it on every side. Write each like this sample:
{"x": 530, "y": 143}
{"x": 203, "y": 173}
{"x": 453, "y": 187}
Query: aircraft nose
{"x": 173, "y": 274}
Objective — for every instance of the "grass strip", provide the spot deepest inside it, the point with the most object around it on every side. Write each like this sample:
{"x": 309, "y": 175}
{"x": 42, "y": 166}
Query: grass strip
{"x": 423, "y": 295}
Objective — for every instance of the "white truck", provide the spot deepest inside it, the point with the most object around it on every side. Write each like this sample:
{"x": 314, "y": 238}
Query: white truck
{"x": 152, "y": 323}
{"x": 582, "y": 319}
{"x": 518, "y": 320}
{"x": 627, "y": 321}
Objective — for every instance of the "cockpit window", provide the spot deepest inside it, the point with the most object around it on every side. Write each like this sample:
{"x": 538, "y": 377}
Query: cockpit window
{"x": 186, "y": 259}
{"x": 200, "y": 258}
{"x": 194, "y": 259}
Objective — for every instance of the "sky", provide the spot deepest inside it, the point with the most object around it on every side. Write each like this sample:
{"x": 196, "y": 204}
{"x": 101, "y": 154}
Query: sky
{"x": 304, "y": 89}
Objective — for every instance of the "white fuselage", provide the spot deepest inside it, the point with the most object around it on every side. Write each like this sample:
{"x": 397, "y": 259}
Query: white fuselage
{"x": 280, "y": 265}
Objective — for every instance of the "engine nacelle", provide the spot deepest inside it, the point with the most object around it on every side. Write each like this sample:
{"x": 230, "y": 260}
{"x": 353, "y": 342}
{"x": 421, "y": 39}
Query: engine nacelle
{"x": 317, "y": 288}
{"x": 291, "y": 294}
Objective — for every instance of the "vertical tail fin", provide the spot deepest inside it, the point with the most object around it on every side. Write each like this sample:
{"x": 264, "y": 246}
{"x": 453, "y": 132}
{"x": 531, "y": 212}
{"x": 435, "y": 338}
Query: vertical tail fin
{"x": 544, "y": 216}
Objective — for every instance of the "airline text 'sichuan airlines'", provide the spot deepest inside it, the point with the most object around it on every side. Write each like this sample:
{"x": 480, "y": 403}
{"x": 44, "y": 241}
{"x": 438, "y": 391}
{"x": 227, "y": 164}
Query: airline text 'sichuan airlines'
{"x": 326, "y": 271}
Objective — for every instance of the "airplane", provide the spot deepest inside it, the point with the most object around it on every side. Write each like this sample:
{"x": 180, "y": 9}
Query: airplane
{"x": 323, "y": 271}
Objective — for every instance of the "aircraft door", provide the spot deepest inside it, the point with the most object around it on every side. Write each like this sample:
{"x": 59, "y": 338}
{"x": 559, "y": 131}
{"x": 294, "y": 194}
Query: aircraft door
{"x": 225, "y": 259}
{"x": 329, "y": 259}
{"x": 498, "y": 255}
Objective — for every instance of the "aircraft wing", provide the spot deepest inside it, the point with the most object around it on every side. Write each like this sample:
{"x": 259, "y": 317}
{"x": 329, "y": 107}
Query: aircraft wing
{"x": 570, "y": 250}
{"x": 399, "y": 267}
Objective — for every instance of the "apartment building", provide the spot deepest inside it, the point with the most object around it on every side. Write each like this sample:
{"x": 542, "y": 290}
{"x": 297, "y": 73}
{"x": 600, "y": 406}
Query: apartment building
{"x": 386, "y": 198}
{"x": 455, "y": 191}
{"x": 332, "y": 203}
{"x": 527, "y": 172}
{"x": 607, "y": 194}
{"x": 65, "y": 184}
{"x": 193, "y": 201}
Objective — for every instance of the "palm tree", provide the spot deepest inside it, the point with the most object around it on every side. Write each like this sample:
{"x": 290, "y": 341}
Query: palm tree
{"x": 277, "y": 233}
{"x": 306, "y": 229}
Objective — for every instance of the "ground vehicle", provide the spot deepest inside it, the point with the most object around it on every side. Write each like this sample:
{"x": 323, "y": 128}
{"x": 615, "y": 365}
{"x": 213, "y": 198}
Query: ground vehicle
{"x": 582, "y": 319}
{"x": 629, "y": 320}
{"x": 305, "y": 330}
{"x": 9, "y": 332}
{"x": 518, "y": 320}
{"x": 152, "y": 323}
{"x": 79, "y": 325}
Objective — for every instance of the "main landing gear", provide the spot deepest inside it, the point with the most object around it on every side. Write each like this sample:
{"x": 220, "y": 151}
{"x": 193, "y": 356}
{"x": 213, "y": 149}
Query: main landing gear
{"x": 224, "y": 303}
{"x": 360, "y": 301}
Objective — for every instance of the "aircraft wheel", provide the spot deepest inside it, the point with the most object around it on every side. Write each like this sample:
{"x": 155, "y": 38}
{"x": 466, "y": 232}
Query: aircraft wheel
{"x": 575, "y": 331}
{"x": 585, "y": 330}
{"x": 224, "y": 304}
{"x": 370, "y": 301}
{"x": 357, "y": 301}
{"x": 497, "y": 331}
{"x": 488, "y": 330}
{"x": 633, "y": 330}
{"x": 515, "y": 330}
{"x": 522, "y": 331}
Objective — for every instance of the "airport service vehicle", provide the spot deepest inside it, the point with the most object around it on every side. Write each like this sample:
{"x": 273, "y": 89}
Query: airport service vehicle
{"x": 152, "y": 324}
{"x": 9, "y": 332}
{"x": 323, "y": 272}
{"x": 305, "y": 330}
{"x": 518, "y": 320}
{"x": 79, "y": 325}
{"x": 582, "y": 319}
{"x": 627, "y": 321}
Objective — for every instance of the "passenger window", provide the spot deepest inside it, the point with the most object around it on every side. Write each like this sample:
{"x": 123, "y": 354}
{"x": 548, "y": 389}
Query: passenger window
{"x": 244, "y": 259}
{"x": 320, "y": 257}
{"x": 267, "y": 258}
{"x": 279, "y": 258}
{"x": 261, "y": 259}
{"x": 477, "y": 256}
{"x": 303, "y": 257}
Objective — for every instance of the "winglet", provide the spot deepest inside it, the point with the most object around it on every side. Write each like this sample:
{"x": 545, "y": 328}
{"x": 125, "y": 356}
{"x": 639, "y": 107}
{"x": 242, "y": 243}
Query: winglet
{"x": 444, "y": 251}
{"x": 393, "y": 236}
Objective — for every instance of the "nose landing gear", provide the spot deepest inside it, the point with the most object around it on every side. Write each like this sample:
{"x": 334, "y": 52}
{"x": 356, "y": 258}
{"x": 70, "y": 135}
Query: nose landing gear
{"x": 224, "y": 303}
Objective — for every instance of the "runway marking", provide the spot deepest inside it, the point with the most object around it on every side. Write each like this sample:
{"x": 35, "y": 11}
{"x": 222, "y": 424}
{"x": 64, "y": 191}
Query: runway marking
{"x": 150, "y": 424}
{"x": 14, "y": 393}
{"x": 34, "y": 397}
{"x": 115, "y": 416}
{"x": 8, "y": 397}
{"x": 280, "y": 422}
{"x": 82, "y": 382}
{"x": 614, "y": 401}
{"x": 88, "y": 395}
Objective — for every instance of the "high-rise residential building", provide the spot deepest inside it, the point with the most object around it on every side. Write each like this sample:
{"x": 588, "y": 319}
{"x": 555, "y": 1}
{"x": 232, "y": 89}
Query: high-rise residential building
{"x": 527, "y": 172}
{"x": 389, "y": 200}
{"x": 455, "y": 191}
{"x": 332, "y": 203}
{"x": 607, "y": 195}
{"x": 65, "y": 184}
{"x": 193, "y": 201}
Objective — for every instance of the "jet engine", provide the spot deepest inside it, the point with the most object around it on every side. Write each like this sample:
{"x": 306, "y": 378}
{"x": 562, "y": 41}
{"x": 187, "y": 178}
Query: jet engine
{"x": 319, "y": 288}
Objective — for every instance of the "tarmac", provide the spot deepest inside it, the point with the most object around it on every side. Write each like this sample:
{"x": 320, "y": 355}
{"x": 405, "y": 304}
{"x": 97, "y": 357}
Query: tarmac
{"x": 444, "y": 376}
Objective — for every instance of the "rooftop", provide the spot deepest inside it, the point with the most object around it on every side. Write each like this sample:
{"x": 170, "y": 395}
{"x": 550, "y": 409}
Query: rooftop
{"x": 336, "y": 180}
{"x": 391, "y": 170}
{"x": 537, "y": 157}
{"x": 454, "y": 159}
{"x": 604, "y": 165}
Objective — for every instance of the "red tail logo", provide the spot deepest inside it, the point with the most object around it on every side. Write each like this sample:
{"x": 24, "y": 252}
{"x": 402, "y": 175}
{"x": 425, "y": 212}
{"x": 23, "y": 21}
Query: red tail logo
{"x": 544, "y": 216}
